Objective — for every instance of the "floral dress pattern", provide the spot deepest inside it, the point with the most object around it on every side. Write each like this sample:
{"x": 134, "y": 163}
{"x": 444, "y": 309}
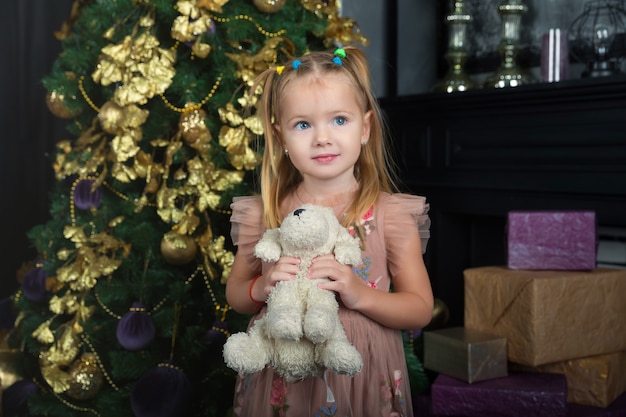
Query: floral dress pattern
{"x": 381, "y": 389}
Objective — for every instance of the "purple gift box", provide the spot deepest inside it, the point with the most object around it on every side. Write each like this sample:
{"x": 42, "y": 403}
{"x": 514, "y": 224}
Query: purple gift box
{"x": 559, "y": 240}
{"x": 422, "y": 406}
{"x": 515, "y": 395}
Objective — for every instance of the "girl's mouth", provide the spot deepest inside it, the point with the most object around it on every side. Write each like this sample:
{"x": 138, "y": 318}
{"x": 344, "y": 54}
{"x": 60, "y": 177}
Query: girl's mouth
{"x": 325, "y": 158}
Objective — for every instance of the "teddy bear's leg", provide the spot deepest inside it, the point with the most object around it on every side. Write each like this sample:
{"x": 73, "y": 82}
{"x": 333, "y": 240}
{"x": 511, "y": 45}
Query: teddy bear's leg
{"x": 248, "y": 352}
{"x": 284, "y": 311}
{"x": 321, "y": 314}
{"x": 338, "y": 354}
{"x": 295, "y": 360}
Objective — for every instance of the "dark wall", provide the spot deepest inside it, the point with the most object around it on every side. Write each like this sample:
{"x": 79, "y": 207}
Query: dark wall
{"x": 29, "y": 131}
{"x": 480, "y": 154}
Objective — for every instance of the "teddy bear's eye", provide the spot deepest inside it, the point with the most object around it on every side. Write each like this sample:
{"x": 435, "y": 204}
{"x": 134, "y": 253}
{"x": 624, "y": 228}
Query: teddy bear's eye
{"x": 298, "y": 212}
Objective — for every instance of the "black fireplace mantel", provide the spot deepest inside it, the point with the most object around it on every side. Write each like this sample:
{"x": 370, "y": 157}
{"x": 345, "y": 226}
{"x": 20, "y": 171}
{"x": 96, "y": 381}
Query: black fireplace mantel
{"x": 478, "y": 154}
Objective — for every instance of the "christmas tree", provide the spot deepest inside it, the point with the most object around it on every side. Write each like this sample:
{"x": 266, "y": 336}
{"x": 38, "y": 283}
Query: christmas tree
{"x": 123, "y": 313}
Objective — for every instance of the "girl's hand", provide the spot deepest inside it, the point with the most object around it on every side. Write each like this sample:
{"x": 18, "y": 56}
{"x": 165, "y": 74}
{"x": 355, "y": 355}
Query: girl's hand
{"x": 343, "y": 279}
{"x": 284, "y": 269}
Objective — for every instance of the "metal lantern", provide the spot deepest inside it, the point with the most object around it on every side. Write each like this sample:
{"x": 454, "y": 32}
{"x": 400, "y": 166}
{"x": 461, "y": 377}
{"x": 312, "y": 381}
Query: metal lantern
{"x": 597, "y": 37}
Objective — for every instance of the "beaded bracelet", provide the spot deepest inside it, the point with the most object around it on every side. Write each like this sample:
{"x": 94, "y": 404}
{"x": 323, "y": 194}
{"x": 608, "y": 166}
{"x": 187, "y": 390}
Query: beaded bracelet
{"x": 259, "y": 303}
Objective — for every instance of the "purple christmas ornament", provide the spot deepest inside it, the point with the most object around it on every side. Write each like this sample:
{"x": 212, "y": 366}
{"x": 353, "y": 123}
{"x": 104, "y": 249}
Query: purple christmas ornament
{"x": 34, "y": 285}
{"x": 14, "y": 398}
{"x": 7, "y": 314}
{"x": 84, "y": 197}
{"x": 136, "y": 329}
{"x": 163, "y": 391}
{"x": 218, "y": 332}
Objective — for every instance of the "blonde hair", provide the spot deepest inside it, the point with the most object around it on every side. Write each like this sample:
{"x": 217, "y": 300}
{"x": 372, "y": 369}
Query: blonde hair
{"x": 373, "y": 169}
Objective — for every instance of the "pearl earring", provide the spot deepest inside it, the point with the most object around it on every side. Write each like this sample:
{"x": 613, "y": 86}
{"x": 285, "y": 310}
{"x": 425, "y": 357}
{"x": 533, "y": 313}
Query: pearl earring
{"x": 286, "y": 152}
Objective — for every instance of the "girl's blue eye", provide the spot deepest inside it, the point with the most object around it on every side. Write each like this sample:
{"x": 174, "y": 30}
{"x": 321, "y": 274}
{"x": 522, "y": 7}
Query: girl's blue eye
{"x": 340, "y": 121}
{"x": 302, "y": 126}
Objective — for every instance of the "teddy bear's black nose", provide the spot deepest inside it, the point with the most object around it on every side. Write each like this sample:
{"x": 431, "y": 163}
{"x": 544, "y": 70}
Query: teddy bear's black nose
{"x": 298, "y": 211}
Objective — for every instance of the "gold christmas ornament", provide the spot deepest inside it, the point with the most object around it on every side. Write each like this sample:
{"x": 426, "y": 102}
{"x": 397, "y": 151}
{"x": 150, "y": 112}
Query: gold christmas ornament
{"x": 192, "y": 126}
{"x": 86, "y": 378}
{"x": 178, "y": 249}
{"x": 269, "y": 6}
{"x": 111, "y": 117}
{"x": 57, "y": 105}
{"x": 10, "y": 360}
{"x": 441, "y": 315}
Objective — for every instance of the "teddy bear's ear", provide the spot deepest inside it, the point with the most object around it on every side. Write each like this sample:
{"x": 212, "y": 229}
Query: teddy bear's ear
{"x": 268, "y": 248}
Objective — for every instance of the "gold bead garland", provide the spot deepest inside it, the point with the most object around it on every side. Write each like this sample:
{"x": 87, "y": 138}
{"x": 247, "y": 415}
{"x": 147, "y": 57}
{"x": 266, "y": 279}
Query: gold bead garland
{"x": 133, "y": 309}
{"x": 83, "y": 92}
{"x": 105, "y": 308}
{"x": 169, "y": 365}
{"x": 99, "y": 361}
{"x": 75, "y": 407}
{"x": 195, "y": 106}
{"x": 219, "y": 309}
{"x": 72, "y": 205}
{"x": 123, "y": 196}
{"x": 169, "y": 105}
{"x": 251, "y": 20}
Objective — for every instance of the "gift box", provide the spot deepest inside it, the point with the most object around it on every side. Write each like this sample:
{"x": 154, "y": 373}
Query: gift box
{"x": 551, "y": 240}
{"x": 466, "y": 354}
{"x": 616, "y": 409}
{"x": 515, "y": 395}
{"x": 548, "y": 316}
{"x": 596, "y": 380}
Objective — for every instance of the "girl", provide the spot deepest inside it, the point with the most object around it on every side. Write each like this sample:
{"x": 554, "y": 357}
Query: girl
{"x": 324, "y": 144}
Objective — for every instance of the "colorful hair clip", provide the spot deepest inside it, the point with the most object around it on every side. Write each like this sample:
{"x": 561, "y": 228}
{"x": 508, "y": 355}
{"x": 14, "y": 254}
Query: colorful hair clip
{"x": 295, "y": 64}
{"x": 279, "y": 69}
{"x": 339, "y": 53}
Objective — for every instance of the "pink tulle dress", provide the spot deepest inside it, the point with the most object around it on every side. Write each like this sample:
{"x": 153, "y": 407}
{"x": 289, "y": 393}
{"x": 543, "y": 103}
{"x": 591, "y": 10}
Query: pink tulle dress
{"x": 381, "y": 389}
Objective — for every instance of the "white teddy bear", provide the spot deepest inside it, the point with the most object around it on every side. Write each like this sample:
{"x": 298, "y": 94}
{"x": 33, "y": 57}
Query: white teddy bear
{"x": 300, "y": 335}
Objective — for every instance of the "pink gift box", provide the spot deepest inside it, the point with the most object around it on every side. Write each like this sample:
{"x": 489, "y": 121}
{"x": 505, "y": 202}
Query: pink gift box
{"x": 552, "y": 240}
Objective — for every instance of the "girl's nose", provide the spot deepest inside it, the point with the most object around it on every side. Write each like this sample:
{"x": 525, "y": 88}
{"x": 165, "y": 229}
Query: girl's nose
{"x": 322, "y": 136}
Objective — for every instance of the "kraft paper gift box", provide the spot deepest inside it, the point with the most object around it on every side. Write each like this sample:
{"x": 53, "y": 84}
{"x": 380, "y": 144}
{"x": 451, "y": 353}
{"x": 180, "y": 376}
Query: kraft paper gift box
{"x": 551, "y": 240}
{"x": 548, "y": 316}
{"x": 515, "y": 395}
{"x": 595, "y": 380}
{"x": 466, "y": 354}
{"x": 616, "y": 409}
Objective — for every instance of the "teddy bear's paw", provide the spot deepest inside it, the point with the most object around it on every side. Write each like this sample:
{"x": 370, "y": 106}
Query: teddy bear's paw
{"x": 341, "y": 358}
{"x": 317, "y": 326}
{"x": 245, "y": 354}
{"x": 268, "y": 250}
{"x": 348, "y": 256}
{"x": 284, "y": 324}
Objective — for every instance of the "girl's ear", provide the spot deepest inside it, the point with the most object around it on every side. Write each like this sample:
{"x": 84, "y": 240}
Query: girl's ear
{"x": 276, "y": 131}
{"x": 278, "y": 138}
{"x": 367, "y": 127}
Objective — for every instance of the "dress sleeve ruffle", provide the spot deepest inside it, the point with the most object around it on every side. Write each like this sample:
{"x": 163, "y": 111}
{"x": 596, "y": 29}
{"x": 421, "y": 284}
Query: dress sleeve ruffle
{"x": 247, "y": 226}
{"x": 403, "y": 212}
{"x": 405, "y": 216}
